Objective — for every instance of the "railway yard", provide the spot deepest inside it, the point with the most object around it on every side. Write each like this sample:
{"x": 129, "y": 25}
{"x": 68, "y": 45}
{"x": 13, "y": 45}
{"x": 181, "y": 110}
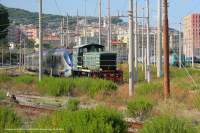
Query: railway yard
{"x": 99, "y": 66}
{"x": 32, "y": 101}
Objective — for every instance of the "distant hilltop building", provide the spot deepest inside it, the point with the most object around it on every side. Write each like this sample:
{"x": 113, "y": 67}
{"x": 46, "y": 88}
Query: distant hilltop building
{"x": 191, "y": 35}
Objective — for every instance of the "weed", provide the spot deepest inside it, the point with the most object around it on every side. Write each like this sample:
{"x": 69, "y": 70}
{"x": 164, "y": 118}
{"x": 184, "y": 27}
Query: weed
{"x": 139, "y": 106}
{"x": 167, "y": 124}
{"x": 73, "y": 104}
{"x": 148, "y": 88}
{"x": 8, "y": 119}
{"x": 5, "y": 78}
{"x": 2, "y": 94}
{"x": 27, "y": 79}
{"x": 63, "y": 86}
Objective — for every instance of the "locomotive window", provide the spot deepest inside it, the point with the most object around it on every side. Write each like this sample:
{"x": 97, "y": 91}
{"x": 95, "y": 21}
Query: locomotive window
{"x": 85, "y": 50}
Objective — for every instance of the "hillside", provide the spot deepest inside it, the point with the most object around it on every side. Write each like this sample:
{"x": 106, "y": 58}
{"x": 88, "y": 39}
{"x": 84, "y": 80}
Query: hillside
{"x": 20, "y": 16}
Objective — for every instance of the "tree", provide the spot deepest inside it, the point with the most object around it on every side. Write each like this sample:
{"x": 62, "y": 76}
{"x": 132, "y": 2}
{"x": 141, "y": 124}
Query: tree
{"x": 4, "y": 22}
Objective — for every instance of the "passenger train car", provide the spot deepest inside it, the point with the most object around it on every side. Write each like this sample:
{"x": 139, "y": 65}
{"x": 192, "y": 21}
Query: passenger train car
{"x": 56, "y": 62}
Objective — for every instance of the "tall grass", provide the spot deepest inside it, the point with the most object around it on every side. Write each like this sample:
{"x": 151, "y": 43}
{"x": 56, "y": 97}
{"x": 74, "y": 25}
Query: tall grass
{"x": 167, "y": 124}
{"x": 4, "y": 78}
{"x": 8, "y": 119}
{"x": 99, "y": 120}
{"x": 148, "y": 88}
{"x": 2, "y": 94}
{"x": 27, "y": 79}
{"x": 73, "y": 104}
{"x": 56, "y": 86}
{"x": 140, "y": 106}
{"x": 63, "y": 86}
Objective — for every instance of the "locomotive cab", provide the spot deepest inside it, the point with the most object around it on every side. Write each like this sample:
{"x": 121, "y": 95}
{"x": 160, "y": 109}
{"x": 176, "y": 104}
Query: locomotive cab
{"x": 79, "y": 51}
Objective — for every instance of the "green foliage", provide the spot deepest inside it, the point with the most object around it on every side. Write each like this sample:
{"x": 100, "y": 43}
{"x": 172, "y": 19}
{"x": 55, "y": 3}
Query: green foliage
{"x": 99, "y": 120}
{"x": 72, "y": 104}
{"x": 139, "y": 106}
{"x": 2, "y": 94}
{"x": 8, "y": 119}
{"x": 148, "y": 88}
{"x": 62, "y": 86}
{"x": 27, "y": 79}
{"x": 167, "y": 124}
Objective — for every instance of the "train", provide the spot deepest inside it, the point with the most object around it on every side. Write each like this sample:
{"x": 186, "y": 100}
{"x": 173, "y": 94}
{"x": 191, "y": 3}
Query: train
{"x": 89, "y": 60}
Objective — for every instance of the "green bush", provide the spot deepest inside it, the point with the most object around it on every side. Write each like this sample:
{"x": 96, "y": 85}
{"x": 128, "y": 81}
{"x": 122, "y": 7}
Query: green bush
{"x": 72, "y": 104}
{"x": 8, "y": 119}
{"x": 27, "y": 79}
{"x": 148, "y": 88}
{"x": 2, "y": 94}
{"x": 139, "y": 106}
{"x": 167, "y": 124}
{"x": 99, "y": 120}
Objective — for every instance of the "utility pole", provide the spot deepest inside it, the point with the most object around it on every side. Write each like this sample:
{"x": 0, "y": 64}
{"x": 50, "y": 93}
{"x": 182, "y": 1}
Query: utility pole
{"x": 180, "y": 48}
{"x": 85, "y": 29}
{"x": 159, "y": 40}
{"x": 20, "y": 52}
{"x": 148, "y": 44}
{"x": 143, "y": 63}
{"x": 99, "y": 22}
{"x": 166, "y": 50}
{"x": 24, "y": 51}
{"x": 108, "y": 26}
{"x": 67, "y": 40}
{"x": 130, "y": 57}
{"x": 61, "y": 35}
{"x": 192, "y": 53}
{"x": 136, "y": 43}
{"x": 77, "y": 26}
{"x": 154, "y": 51}
{"x": 40, "y": 41}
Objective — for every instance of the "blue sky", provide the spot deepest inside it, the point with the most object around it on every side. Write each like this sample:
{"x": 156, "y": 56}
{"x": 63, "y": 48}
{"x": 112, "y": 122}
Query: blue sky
{"x": 177, "y": 8}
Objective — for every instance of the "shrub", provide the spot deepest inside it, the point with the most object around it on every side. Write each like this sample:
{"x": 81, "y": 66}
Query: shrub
{"x": 99, "y": 120}
{"x": 2, "y": 94}
{"x": 73, "y": 104}
{"x": 8, "y": 119}
{"x": 167, "y": 124}
{"x": 27, "y": 79}
{"x": 139, "y": 106}
{"x": 148, "y": 88}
